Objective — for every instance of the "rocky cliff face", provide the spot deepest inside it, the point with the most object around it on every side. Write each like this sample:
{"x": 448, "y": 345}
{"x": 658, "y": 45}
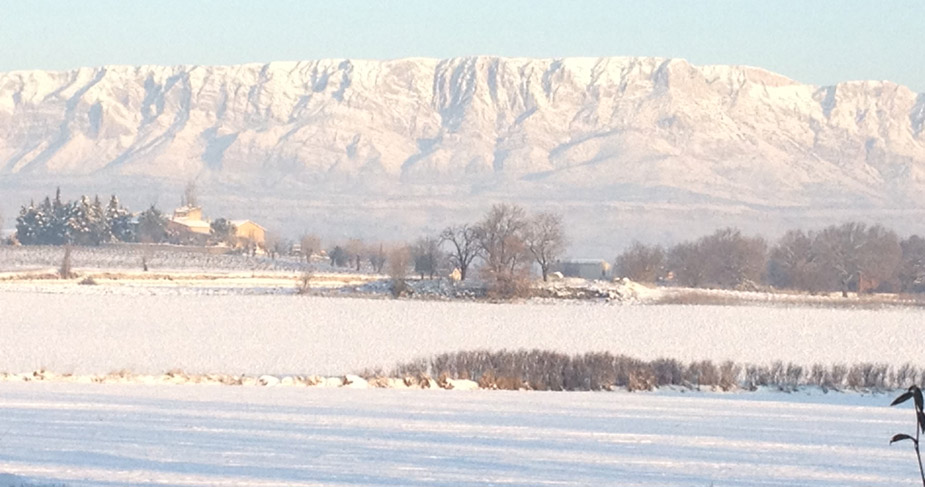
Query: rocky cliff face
{"x": 584, "y": 126}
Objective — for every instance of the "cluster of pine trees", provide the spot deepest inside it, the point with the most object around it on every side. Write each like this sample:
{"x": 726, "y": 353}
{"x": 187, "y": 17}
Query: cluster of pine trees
{"x": 86, "y": 221}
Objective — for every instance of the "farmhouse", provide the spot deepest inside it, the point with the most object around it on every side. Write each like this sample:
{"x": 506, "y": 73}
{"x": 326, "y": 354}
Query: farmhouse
{"x": 249, "y": 232}
{"x": 189, "y": 226}
{"x": 187, "y": 223}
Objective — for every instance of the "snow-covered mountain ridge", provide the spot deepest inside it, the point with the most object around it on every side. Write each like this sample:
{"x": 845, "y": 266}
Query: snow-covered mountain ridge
{"x": 595, "y": 127}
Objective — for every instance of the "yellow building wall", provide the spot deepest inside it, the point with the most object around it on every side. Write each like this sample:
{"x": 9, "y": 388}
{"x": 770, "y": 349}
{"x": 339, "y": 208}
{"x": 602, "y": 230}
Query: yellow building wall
{"x": 188, "y": 212}
{"x": 251, "y": 231}
{"x": 194, "y": 214}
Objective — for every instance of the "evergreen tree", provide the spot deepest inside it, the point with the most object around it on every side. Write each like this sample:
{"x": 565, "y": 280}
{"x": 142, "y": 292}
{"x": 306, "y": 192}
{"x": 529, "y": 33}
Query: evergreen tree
{"x": 223, "y": 231}
{"x": 81, "y": 222}
{"x": 27, "y": 225}
{"x": 57, "y": 215}
{"x": 100, "y": 227}
{"x": 152, "y": 226}
{"x": 49, "y": 227}
{"x": 120, "y": 221}
{"x": 338, "y": 256}
{"x": 77, "y": 222}
{"x": 45, "y": 224}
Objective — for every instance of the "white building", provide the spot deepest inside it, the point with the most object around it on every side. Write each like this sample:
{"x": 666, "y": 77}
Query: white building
{"x": 584, "y": 268}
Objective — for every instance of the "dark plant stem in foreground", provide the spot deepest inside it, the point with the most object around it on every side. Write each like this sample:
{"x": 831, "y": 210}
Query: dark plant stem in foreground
{"x": 913, "y": 393}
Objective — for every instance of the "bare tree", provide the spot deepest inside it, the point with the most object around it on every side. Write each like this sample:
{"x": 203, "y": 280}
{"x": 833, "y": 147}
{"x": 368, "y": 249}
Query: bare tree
{"x": 280, "y": 246}
{"x": 912, "y": 270}
{"x": 724, "y": 259}
{"x": 465, "y": 246}
{"x": 687, "y": 265}
{"x": 399, "y": 260}
{"x": 377, "y": 257}
{"x": 309, "y": 243}
{"x": 65, "y": 271}
{"x": 145, "y": 256}
{"x": 425, "y": 254}
{"x": 190, "y": 195}
{"x": 641, "y": 263}
{"x": 794, "y": 263}
{"x": 355, "y": 249}
{"x": 501, "y": 238}
{"x": 501, "y": 242}
{"x": 881, "y": 260}
{"x": 856, "y": 257}
{"x": 732, "y": 259}
{"x": 304, "y": 284}
{"x": 544, "y": 238}
{"x": 839, "y": 248}
{"x": 249, "y": 244}
{"x": 271, "y": 244}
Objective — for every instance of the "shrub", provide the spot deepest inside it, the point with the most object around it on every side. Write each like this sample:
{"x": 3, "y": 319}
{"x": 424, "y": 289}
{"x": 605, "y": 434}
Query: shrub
{"x": 729, "y": 375}
{"x": 506, "y": 286}
{"x": 304, "y": 284}
{"x": 398, "y": 262}
{"x": 554, "y": 371}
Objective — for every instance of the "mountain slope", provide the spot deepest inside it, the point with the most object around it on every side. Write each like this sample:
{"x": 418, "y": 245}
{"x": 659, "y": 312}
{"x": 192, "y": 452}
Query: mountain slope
{"x": 599, "y": 127}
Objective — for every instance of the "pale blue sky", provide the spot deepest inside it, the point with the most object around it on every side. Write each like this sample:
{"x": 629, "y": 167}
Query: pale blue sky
{"x": 814, "y": 41}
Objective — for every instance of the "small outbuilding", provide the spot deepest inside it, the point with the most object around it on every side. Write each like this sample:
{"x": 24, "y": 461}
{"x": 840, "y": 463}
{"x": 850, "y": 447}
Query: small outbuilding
{"x": 584, "y": 268}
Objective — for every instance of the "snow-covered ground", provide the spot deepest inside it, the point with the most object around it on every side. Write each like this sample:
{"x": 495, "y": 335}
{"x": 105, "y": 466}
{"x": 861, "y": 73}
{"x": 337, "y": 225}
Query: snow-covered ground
{"x": 273, "y": 334}
{"x": 147, "y": 432}
{"x": 121, "y": 257}
{"x": 135, "y": 435}
{"x": 117, "y": 270}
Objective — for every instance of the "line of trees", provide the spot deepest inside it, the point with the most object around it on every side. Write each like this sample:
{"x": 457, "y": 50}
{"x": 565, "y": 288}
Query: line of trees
{"x": 506, "y": 243}
{"x": 80, "y": 222}
{"x": 87, "y": 221}
{"x": 847, "y": 257}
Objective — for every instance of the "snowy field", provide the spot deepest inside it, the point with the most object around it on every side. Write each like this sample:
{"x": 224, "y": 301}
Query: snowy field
{"x": 117, "y": 257}
{"x": 134, "y": 435}
{"x": 123, "y": 435}
{"x": 272, "y": 334}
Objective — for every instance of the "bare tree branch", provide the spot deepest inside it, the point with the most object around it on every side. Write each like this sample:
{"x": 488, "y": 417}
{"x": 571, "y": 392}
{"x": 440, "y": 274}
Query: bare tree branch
{"x": 544, "y": 237}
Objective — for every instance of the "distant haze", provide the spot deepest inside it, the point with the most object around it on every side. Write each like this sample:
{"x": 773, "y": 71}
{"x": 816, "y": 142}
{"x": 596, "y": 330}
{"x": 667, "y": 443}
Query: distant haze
{"x": 649, "y": 148}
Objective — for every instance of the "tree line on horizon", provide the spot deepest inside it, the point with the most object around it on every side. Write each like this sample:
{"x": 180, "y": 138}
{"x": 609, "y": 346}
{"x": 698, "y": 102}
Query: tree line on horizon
{"x": 90, "y": 222}
{"x": 849, "y": 257}
{"x": 507, "y": 243}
